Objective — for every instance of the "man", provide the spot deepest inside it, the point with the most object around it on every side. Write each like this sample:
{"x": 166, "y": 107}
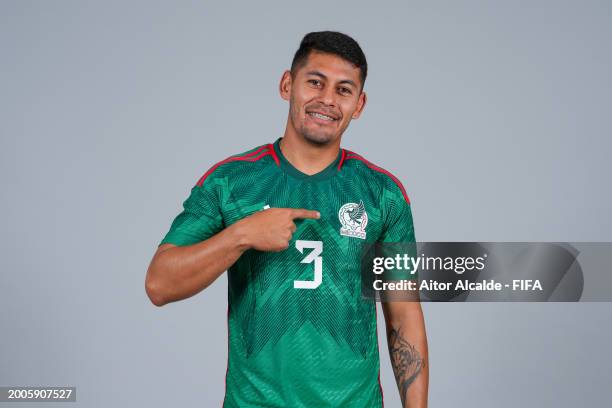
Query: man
{"x": 288, "y": 220}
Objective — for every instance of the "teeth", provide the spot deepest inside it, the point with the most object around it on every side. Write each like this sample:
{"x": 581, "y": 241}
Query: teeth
{"x": 320, "y": 116}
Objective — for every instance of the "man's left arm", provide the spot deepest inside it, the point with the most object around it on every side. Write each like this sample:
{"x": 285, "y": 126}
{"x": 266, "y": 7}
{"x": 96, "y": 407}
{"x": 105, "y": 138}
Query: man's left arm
{"x": 404, "y": 320}
{"x": 408, "y": 351}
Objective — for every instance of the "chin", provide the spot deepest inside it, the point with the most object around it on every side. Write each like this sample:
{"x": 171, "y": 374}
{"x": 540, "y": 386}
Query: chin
{"x": 317, "y": 137}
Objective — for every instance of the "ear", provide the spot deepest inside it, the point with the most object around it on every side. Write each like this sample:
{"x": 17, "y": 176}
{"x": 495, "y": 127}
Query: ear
{"x": 285, "y": 85}
{"x": 360, "y": 105}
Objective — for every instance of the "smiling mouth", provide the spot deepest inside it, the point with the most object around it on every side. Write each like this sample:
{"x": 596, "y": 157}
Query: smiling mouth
{"x": 321, "y": 116}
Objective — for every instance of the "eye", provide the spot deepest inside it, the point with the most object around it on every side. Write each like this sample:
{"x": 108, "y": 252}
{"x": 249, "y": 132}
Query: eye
{"x": 314, "y": 82}
{"x": 345, "y": 91}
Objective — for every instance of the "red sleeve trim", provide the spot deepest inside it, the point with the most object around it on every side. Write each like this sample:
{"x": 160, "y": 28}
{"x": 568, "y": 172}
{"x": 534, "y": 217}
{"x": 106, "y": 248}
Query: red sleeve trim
{"x": 250, "y": 157}
{"x": 351, "y": 155}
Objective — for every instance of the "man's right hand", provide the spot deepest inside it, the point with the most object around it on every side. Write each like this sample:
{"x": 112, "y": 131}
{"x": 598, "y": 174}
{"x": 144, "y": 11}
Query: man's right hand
{"x": 272, "y": 229}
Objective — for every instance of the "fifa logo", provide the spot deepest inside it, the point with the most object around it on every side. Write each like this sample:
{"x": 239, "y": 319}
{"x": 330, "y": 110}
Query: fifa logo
{"x": 354, "y": 219}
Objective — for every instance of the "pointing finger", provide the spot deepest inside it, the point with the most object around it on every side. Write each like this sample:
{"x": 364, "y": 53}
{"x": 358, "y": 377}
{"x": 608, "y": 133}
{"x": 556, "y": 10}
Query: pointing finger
{"x": 303, "y": 213}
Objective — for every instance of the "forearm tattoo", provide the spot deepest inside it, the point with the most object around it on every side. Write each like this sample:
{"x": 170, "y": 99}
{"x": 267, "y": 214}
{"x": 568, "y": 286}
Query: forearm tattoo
{"x": 406, "y": 361}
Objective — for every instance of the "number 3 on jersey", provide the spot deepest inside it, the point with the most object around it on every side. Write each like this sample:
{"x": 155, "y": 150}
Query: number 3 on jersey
{"x": 317, "y": 248}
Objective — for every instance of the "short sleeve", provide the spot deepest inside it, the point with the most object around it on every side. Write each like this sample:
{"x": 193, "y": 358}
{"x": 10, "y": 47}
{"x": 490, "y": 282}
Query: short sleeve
{"x": 398, "y": 226}
{"x": 398, "y": 231}
{"x": 201, "y": 217}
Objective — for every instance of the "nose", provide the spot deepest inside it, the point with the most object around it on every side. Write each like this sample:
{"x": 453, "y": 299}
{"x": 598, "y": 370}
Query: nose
{"x": 328, "y": 96}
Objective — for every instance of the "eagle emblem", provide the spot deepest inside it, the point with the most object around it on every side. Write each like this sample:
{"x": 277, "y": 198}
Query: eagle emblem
{"x": 354, "y": 219}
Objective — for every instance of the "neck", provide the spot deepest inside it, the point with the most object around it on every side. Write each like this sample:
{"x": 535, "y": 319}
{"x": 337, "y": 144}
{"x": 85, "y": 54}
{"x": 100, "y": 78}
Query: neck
{"x": 307, "y": 157}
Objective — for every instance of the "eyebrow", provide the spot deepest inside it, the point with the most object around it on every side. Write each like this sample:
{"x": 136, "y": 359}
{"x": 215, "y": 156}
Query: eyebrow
{"x": 321, "y": 75}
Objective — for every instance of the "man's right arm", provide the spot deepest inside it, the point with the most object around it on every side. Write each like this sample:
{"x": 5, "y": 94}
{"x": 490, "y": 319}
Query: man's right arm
{"x": 179, "y": 272}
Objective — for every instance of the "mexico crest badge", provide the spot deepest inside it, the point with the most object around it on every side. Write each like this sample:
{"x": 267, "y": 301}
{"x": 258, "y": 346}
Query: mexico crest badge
{"x": 354, "y": 219}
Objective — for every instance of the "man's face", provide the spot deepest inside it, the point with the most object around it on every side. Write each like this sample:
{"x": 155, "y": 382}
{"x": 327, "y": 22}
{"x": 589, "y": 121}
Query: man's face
{"x": 324, "y": 96}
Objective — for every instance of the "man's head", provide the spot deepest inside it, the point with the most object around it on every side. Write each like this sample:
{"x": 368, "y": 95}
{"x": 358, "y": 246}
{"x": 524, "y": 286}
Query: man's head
{"x": 325, "y": 86}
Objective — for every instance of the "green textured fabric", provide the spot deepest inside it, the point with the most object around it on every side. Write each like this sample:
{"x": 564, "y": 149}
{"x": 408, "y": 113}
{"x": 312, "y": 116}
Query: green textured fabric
{"x": 298, "y": 346}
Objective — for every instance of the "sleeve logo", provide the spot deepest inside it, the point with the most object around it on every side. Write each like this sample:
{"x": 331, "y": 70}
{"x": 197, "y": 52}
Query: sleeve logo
{"x": 354, "y": 219}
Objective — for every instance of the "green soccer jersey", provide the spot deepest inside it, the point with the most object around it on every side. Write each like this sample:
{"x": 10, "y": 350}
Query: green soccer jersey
{"x": 300, "y": 332}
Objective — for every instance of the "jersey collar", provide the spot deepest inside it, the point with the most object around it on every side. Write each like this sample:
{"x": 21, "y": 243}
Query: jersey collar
{"x": 327, "y": 172}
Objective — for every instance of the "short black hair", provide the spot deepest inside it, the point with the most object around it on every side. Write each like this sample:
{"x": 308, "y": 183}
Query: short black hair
{"x": 331, "y": 42}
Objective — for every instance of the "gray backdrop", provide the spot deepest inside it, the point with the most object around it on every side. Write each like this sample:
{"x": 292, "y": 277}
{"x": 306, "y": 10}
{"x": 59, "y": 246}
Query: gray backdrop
{"x": 495, "y": 115}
